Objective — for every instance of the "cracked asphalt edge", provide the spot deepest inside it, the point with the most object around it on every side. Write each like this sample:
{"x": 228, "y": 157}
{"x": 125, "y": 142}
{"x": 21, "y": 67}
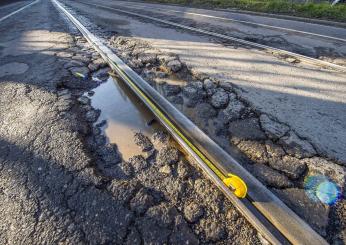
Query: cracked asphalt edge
{"x": 61, "y": 182}
{"x": 278, "y": 157}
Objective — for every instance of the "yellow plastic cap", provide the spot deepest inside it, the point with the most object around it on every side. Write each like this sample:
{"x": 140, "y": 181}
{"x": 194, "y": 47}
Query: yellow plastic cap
{"x": 236, "y": 183}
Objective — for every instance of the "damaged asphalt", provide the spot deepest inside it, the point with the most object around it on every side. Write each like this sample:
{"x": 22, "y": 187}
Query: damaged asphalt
{"x": 268, "y": 148}
{"x": 61, "y": 182}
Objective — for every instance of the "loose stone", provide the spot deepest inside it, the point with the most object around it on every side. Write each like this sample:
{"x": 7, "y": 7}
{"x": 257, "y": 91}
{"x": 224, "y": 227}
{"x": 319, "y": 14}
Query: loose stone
{"x": 160, "y": 139}
{"x": 143, "y": 142}
{"x": 171, "y": 90}
{"x": 232, "y": 111}
{"x": 220, "y": 99}
{"x": 174, "y": 65}
{"x": 167, "y": 155}
{"x": 193, "y": 212}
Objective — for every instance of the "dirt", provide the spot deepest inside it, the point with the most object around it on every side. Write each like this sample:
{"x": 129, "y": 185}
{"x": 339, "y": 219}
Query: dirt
{"x": 61, "y": 181}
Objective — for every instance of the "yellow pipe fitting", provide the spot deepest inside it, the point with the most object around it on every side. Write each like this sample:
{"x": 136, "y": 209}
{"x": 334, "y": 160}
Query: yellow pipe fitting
{"x": 236, "y": 183}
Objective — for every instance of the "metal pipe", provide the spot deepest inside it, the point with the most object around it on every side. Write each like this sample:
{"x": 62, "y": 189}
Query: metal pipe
{"x": 280, "y": 216}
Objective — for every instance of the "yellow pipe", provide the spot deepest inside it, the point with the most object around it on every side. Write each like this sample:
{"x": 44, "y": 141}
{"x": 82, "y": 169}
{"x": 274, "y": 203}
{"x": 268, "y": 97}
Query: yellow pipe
{"x": 235, "y": 183}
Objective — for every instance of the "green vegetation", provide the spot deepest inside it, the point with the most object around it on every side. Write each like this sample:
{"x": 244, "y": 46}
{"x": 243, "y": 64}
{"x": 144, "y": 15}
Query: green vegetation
{"x": 309, "y": 9}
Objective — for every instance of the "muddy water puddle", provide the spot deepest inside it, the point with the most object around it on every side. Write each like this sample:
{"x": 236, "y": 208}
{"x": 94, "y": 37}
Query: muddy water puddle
{"x": 125, "y": 115}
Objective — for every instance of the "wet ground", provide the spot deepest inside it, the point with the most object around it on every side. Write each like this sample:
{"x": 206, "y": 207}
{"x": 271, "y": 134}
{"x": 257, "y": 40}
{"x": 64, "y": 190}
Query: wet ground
{"x": 62, "y": 181}
{"x": 272, "y": 86}
{"x": 239, "y": 120}
{"x": 123, "y": 115}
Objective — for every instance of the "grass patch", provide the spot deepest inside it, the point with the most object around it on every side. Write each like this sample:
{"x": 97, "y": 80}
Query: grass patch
{"x": 309, "y": 10}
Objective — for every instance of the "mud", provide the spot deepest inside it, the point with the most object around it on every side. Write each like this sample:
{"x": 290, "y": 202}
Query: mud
{"x": 63, "y": 181}
{"x": 270, "y": 149}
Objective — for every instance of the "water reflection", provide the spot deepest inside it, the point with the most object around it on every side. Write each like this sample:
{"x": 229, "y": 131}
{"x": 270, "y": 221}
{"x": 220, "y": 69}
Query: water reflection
{"x": 125, "y": 114}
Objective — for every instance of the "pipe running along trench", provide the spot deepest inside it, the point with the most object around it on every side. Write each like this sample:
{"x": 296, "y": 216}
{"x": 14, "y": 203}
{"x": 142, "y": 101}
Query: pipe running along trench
{"x": 269, "y": 215}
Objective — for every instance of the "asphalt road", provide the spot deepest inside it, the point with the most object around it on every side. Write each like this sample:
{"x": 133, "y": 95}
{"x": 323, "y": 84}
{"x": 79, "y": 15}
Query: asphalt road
{"x": 324, "y": 42}
{"x": 254, "y": 19}
{"x": 7, "y": 7}
{"x": 300, "y": 99}
{"x": 61, "y": 182}
{"x": 311, "y": 101}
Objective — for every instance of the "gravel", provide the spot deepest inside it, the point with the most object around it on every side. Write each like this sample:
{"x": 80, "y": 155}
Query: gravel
{"x": 255, "y": 145}
{"x": 193, "y": 212}
{"x": 167, "y": 156}
{"x": 174, "y": 65}
{"x": 219, "y": 99}
{"x": 143, "y": 142}
{"x": 213, "y": 232}
{"x": 141, "y": 202}
{"x": 138, "y": 163}
{"x": 160, "y": 139}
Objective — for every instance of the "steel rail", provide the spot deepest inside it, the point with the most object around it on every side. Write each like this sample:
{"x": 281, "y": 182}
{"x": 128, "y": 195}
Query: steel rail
{"x": 313, "y": 61}
{"x": 18, "y": 10}
{"x": 239, "y": 21}
{"x": 294, "y": 229}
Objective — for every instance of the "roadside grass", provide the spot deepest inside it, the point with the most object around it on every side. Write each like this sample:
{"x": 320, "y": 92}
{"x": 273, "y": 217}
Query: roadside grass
{"x": 322, "y": 10}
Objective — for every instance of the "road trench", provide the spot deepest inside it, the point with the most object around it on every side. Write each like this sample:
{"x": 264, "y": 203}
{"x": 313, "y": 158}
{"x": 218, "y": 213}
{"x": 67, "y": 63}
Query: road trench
{"x": 156, "y": 196}
{"x": 138, "y": 112}
{"x": 179, "y": 184}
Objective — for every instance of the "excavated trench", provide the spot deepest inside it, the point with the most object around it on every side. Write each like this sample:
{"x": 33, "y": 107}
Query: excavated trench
{"x": 268, "y": 148}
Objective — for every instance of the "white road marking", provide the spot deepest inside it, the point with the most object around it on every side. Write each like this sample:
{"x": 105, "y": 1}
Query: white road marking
{"x": 307, "y": 59}
{"x": 244, "y": 22}
{"x": 18, "y": 10}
